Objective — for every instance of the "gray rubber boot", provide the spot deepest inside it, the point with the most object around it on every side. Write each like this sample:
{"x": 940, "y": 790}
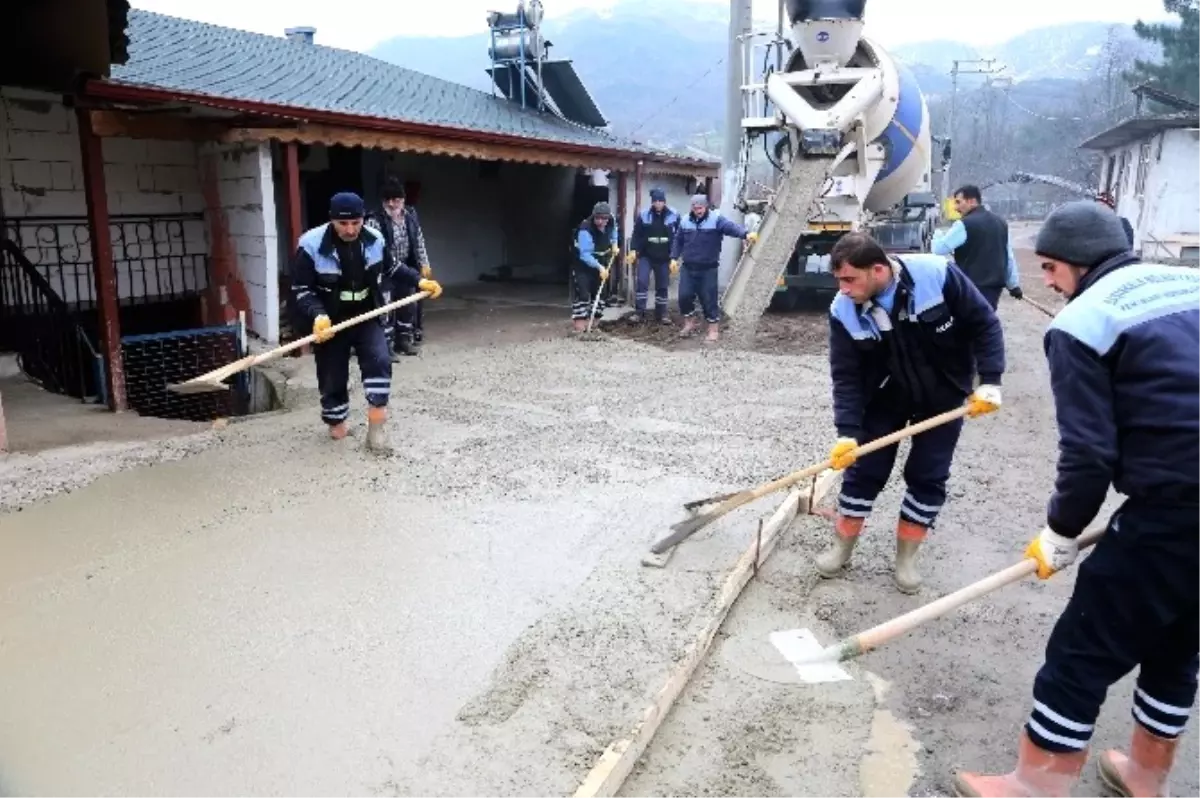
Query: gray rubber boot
{"x": 377, "y": 437}
{"x": 833, "y": 560}
{"x": 906, "y": 577}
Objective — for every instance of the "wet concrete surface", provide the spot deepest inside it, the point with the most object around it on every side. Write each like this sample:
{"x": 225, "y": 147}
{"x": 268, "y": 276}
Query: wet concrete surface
{"x": 270, "y": 612}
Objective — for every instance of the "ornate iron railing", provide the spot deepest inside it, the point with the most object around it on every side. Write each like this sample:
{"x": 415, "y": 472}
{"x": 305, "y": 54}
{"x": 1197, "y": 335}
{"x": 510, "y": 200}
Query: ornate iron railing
{"x": 156, "y": 257}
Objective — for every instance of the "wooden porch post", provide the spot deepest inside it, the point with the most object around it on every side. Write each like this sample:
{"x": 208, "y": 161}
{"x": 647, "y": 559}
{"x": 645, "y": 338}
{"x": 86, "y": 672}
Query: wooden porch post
{"x": 708, "y": 192}
{"x": 622, "y": 206}
{"x": 104, "y": 273}
{"x": 291, "y": 152}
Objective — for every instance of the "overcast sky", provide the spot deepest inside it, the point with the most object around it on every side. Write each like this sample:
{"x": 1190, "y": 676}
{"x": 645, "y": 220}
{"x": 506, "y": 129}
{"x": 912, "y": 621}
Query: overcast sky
{"x": 360, "y": 26}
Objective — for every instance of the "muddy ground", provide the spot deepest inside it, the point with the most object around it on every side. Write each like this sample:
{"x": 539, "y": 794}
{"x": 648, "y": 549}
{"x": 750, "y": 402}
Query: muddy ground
{"x": 256, "y": 610}
{"x": 952, "y": 694}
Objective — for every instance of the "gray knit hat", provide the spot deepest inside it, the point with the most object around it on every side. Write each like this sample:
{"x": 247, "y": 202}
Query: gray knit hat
{"x": 1081, "y": 233}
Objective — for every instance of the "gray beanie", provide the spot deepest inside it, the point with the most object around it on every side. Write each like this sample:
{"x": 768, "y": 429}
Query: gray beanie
{"x": 601, "y": 209}
{"x": 1082, "y": 233}
{"x": 700, "y": 199}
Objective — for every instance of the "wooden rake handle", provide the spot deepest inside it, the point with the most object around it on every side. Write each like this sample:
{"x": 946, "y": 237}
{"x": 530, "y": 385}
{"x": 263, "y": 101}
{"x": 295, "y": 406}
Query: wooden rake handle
{"x": 876, "y": 636}
{"x": 1039, "y": 306}
{"x": 226, "y": 371}
{"x": 689, "y": 527}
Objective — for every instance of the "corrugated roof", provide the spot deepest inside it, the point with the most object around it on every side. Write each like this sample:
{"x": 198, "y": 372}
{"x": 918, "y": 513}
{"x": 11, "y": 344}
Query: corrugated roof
{"x": 1138, "y": 128}
{"x": 183, "y": 55}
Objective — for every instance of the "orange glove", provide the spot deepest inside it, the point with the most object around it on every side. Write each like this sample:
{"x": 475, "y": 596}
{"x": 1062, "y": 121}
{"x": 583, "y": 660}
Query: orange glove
{"x": 434, "y": 289}
{"x": 321, "y": 327}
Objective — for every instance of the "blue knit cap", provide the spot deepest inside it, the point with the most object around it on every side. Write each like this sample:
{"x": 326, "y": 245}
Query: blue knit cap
{"x": 658, "y": 195}
{"x": 346, "y": 205}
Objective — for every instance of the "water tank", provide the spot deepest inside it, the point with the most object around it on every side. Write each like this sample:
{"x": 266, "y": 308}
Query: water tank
{"x": 806, "y": 10}
{"x": 533, "y": 16}
{"x": 508, "y": 46}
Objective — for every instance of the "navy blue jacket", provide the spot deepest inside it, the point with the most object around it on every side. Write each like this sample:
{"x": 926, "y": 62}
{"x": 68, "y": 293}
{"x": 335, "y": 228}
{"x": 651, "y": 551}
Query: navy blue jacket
{"x": 316, "y": 272}
{"x": 1124, "y": 359}
{"x": 954, "y": 328}
{"x": 698, "y": 241}
{"x": 641, "y": 225}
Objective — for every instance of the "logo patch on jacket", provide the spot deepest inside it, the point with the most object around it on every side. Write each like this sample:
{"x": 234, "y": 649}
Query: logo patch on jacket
{"x": 945, "y": 325}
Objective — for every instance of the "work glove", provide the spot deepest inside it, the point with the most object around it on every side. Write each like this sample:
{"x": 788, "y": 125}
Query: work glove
{"x": 674, "y": 267}
{"x": 631, "y": 258}
{"x": 603, "y": 274}
{"x": 616, "y": 253}
{"x": 321, "y": 325}
{"x": 844, "y": 453}
{"x": 751, "y": 238}
{"x": 1016, "y": 293}
{"x": 986, "y": 399}
{"x": 426, "y": 272}
{"x": 432, "y": 286}
{"x": 1052, "y": 551}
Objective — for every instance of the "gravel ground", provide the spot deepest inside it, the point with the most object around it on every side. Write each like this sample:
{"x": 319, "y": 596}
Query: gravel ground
{"x": 953, "y": 693}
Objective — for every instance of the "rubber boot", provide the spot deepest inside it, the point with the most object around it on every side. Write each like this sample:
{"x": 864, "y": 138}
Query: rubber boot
{"x": 909, "y": 537}
{"x": 406, "y": 346}
{"x": 338, "y": 431}
{"x": 714, "y": 333}
{"x": 1038, "y": 772}
{"x": 689, "y": 326}
{"x": 1145, "y": 770}
{"x": 847, "y": 529}
{"x": 377, "y": 439}
{"x": 578, "y": 325}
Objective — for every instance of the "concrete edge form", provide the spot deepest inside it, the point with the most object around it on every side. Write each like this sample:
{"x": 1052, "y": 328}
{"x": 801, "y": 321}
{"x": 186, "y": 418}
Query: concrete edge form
{"x": 618, "y": 760}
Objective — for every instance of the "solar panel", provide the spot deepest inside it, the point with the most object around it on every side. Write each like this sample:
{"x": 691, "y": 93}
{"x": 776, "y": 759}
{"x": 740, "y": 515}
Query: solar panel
{"x": 507, "y": 79}
{"x": 568, "y": 93}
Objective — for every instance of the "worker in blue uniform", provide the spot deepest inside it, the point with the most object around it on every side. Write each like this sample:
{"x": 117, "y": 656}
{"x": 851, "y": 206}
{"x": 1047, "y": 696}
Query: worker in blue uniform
{"x": 650, "y": 250}
{"x": 697, "y": 245}
{"x": 981, "y": 247}
{"x": 1124, "y": 358}
{"x": 905, "y": 335}
{"x": 337, "y": 273}
{"x": 596, "y": 245}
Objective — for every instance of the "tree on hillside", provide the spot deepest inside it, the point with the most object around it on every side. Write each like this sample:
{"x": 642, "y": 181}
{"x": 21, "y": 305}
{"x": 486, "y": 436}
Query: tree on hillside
{"x": 1179, "y": 72}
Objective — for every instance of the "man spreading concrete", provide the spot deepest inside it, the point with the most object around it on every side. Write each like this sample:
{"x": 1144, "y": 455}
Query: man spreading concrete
{"x": 596, "y": 243}
{"x": 408, "y": 263}
{"x": 904, "y": 338}
{"x": 981, "y": 248}
{"x": 697, "y": 244}
{"x": 337, "y": 273}
{"x": 1124, "y": 371}
{"x": 650, "y": 249}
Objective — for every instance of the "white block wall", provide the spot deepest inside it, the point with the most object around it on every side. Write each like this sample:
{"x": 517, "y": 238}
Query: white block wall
{"x": 245, "y": 190}
{"x": 41, "y": 175}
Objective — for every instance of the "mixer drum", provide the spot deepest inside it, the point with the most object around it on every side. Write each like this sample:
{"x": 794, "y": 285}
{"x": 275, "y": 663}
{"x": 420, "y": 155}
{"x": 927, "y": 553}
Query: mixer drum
{"x": 806, "y": 10}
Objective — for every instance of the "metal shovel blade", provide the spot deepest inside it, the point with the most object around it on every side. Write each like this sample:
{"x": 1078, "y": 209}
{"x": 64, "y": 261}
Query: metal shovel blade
{"x": 197, "y": 386}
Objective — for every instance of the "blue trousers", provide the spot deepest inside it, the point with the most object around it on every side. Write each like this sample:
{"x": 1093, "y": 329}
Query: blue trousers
{"x": 925, "y": 471}
{"x": 662, "y": 280}
{"x": 368, "y": 342}
{"x": 407, "y": 323}
{"x": 1134, "y": 606}
{"x": 700, "y": 282}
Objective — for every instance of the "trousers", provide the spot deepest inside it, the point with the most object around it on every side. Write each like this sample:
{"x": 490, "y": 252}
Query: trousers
{"x": 1135, "y": 605}
{"x": 992, "y": 294}
{"x": 662, "y": 280}
{"x": 368, "y": 342}
{"x": 586, "y": 284}
{"x": 701, "y": 283}
{"x": 925, "y": 471}
{"x": 406, "y": 323}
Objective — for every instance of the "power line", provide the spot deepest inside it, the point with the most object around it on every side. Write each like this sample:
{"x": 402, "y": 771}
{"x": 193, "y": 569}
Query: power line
{"x": 678, "y": 96}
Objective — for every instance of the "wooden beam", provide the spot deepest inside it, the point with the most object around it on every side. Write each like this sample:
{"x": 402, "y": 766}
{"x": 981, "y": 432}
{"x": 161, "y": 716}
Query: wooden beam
{"x": 617, "y": 761}
{"x": 108, "y": 124}
{"x": 105, "y": 274}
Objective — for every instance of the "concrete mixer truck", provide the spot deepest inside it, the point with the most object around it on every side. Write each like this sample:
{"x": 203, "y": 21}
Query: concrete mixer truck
{"x": 849, "y": 129}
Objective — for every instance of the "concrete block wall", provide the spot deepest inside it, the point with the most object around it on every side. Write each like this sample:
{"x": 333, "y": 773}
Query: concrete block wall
{"x": 41, "y": 175}
{"x": 239, "y": 191}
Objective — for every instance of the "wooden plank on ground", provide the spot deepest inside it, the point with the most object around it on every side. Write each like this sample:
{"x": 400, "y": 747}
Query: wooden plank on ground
{"x": 617, "y": 761}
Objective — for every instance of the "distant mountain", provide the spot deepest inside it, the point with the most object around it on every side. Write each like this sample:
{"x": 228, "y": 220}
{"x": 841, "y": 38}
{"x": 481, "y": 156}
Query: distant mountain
{"x": 657, "y": 70}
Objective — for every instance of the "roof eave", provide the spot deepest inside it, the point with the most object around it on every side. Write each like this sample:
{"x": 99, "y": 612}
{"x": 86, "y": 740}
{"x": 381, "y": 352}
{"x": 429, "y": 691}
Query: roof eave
{"x": 114, "y": 90}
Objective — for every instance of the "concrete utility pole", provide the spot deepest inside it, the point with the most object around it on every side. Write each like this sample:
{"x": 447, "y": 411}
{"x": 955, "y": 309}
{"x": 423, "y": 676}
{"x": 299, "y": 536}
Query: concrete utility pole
{"x": 975, "y": 66}
{"x": 740, "y": 22}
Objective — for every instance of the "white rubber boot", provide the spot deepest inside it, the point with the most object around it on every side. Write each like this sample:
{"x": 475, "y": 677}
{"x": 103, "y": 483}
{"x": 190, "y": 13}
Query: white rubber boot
{"x": 833, "y": 560}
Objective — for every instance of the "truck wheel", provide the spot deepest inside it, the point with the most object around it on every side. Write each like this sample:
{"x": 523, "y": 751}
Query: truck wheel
{"x": 784, "y": 301}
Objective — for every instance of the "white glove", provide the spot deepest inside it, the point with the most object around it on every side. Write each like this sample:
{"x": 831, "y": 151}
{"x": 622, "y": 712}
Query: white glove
{"x": 986, "y": 399}
{"x": 1052, "y": 551}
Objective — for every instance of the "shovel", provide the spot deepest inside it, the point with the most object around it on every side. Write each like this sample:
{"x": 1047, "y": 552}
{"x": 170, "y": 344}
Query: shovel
{"x": 214, "y": 380}
{"x": 685, "y": 529}
{"x": 1040, "y": 307}
{"x": 599, "y": 291}
{"x": 859, "y": 644}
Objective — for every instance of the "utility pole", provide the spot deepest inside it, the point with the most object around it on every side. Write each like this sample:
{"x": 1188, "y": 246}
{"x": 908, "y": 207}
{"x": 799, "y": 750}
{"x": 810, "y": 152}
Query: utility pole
{"x": 973, "y": 66}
